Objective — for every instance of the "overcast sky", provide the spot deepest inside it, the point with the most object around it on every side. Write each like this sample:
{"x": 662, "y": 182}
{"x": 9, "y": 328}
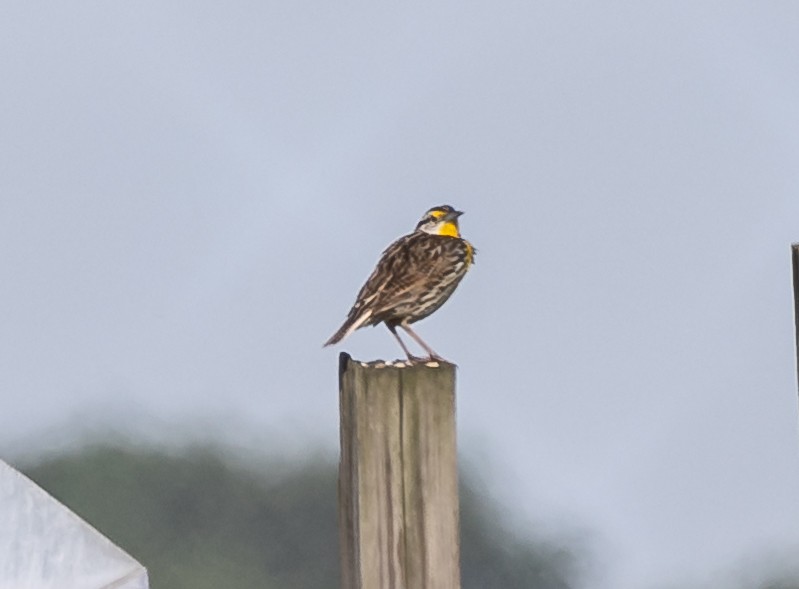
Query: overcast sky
{"x": 191, "y": 195}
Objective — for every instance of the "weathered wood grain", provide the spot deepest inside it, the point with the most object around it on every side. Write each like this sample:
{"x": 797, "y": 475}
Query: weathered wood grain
{"x": 398, "y": 479}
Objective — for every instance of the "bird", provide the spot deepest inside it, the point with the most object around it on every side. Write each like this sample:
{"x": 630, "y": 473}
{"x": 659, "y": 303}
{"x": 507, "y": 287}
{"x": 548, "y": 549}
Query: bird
{"x": 414, "y": 276}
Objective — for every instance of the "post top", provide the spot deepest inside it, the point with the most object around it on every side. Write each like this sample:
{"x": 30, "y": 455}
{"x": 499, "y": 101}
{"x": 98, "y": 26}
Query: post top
{"x": 344, "y": 359}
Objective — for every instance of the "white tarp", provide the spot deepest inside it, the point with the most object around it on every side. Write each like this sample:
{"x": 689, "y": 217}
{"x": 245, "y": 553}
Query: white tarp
{"x": 43, "y": 545}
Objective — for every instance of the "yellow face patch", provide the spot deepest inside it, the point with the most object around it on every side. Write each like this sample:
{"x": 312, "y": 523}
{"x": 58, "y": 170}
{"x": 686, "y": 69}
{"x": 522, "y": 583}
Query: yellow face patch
{"x": 436, "y": 213}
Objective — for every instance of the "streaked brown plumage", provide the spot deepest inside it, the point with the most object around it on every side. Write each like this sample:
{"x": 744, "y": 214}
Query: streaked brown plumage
{"x": 415, "y": 276}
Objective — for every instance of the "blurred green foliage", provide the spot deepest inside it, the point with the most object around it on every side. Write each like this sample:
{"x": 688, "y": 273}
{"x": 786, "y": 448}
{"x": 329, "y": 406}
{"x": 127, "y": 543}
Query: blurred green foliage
{"x": 781, "y": 584}
{"x": 199, "y": 519}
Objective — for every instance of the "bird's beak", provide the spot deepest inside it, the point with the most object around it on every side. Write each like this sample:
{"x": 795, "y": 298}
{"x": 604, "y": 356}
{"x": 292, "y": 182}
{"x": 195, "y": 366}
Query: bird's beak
{"x": 453, "y": 215}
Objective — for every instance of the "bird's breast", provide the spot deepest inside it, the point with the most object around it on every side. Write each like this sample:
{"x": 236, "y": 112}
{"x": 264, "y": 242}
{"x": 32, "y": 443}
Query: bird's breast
{"x": 469, "y": 253}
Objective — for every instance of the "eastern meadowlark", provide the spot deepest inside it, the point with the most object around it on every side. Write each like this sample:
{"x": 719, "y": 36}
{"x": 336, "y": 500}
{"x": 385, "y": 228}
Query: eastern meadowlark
{"x": 413, "y": 278}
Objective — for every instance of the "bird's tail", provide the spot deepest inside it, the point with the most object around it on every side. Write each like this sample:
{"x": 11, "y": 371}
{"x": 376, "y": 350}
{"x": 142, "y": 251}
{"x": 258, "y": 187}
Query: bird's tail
{"x": 351, "y": 324}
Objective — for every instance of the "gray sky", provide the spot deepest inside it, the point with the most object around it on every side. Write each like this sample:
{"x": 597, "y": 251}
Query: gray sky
{"x": 191, "y": 195}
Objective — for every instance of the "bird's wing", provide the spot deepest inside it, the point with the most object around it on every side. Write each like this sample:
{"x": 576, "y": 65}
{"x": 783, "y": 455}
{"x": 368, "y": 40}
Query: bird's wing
{"x": 388, "y": 266}
{"x": 417, "y": 267}
{"x": 412, "y": 265}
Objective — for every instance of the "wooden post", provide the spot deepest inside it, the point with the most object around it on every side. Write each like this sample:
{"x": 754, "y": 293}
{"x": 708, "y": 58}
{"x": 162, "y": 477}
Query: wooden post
{"x": 398, "y": 476}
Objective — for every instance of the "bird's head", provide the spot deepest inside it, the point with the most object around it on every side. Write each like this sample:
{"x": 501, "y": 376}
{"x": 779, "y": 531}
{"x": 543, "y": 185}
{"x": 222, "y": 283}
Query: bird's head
{"x": 441, "y": 220}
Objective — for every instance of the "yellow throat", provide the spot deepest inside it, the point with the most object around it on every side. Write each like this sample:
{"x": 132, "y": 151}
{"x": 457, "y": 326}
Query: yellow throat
{"x": 450, "y": 229}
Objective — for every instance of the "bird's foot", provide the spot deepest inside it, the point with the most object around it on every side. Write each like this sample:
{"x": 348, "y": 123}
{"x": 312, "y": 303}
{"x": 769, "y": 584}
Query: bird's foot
{"x": 432, "y": 359}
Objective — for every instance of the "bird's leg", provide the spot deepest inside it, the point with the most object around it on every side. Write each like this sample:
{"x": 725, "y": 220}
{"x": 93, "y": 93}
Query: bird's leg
{"x": 411, "y": 357}
{"x": 420, "y": 341}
